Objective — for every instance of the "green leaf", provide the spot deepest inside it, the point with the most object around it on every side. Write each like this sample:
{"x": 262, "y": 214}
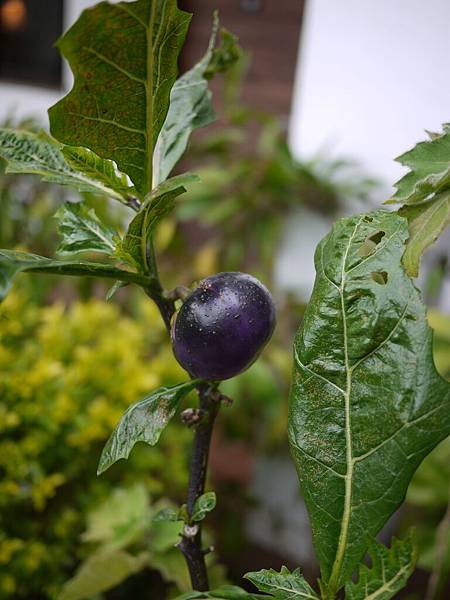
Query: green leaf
{"x": 12, "y": 263}
{"x": 429, "y": 170}
{"x": 82, "y": 231}
{"x": 158, "y": 205}
{"x": 39, "y": 154}
{"x": 388, "y": 573}
{"x": 100, "y": 572}
{"x": 203, "y": 505}
{"x": 366, "y": 403}
{"x": 99, "y": 169}
{"x": 124, "y": 59}
{"x": 284, "y": 585}
{"x": 143, "y": 422}
{"x": 191, "y": 103}
{"x": 426, "y": 222}
{"x": 166, "y": 514}
{"x": 121, "y": 519}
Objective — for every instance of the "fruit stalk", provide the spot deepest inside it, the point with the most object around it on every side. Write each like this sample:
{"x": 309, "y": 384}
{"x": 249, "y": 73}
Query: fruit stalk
{"x": 191, "y": 541}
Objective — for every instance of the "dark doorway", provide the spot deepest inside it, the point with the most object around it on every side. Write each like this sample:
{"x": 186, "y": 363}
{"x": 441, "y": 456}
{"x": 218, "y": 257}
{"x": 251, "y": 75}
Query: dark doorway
{"x": 28, "y": 31}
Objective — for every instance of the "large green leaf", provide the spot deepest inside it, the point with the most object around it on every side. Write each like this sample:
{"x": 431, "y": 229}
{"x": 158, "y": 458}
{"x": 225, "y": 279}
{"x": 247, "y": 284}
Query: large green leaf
{"x": 124, "y": 59}
{"x": 366, "y": 403}
{"x": 12, "y": 263}
{"x": 143, "y": 422}
{"x": 429, "y": 169}
{"x": 388, "y": 573}
{"x": 39, "y": 154}
{"x": 191, "y": 103}
{"x": 284, "y": 585}
{"x": 426, "y": 222}
{"x": 157, "y": 205}
{"x": 82, "y": 231}
{"x": 102, "y": 571}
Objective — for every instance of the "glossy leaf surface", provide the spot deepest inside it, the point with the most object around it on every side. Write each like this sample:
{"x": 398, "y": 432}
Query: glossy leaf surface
{"x": 143, "y": 422}
{"x": 12, "y": 263}
{"x": 191, "y": 103}
{"x": 39, "y": 154}
{"x": 82, "y": 231}
{"x": 124, "y": 59}
{"x": 366, "y": 403}
{"x": 389, "y": 571}
{"x": 284, "y": 585}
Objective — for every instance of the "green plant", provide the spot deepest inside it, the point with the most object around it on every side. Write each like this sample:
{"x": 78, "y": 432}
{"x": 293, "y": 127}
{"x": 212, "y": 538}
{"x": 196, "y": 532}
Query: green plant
{"x": 366, "y": 403}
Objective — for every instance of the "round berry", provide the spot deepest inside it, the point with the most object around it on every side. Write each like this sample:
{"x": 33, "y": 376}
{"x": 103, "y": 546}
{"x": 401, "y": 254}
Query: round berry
{"x": 223, "y": 325}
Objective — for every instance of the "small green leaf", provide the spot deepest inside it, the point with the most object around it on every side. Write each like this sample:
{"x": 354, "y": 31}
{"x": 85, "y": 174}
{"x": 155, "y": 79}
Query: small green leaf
{"x": 191, "y": 103}
{"x": 114, "y": 288}
{"x": 82, "y": 231}
{"x": 39, "y": 154}
{"x": 284, "y": 585}
{"x": 388, "y": 573}
{"x": 124, "y": 59}
{"x": 426, "y": 222}
{"x": 99, "y": 169}
{"x": 143, "y": 422}
{"x": 158, "y": 205}
{"x": 203, "y": 505}
{"x": 366, "y": 402}
{"x": 12, "y": 263}
{"x": 100, "y": 572}
{"x": 429, "y": 164}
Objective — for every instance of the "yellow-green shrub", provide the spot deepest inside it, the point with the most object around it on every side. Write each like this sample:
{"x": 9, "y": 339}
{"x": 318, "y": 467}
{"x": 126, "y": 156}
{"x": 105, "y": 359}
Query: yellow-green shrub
{"x": 66, "y": 376}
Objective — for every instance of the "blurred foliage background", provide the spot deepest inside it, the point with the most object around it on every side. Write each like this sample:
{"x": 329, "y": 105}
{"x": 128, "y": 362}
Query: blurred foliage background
{"x": 70, "y": 363}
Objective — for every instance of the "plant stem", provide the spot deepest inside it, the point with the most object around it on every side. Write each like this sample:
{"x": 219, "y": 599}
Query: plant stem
{"x": 191, "y": 541}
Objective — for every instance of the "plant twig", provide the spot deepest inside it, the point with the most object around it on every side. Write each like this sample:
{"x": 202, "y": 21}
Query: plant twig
{"x": 191, "y": 541}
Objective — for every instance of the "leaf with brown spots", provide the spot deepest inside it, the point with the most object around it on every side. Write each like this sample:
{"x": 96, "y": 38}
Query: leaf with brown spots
{"x": 124, "y": 59}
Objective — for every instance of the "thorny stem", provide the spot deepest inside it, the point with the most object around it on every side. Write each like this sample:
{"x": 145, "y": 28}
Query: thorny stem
{"x": 191, "y": 539}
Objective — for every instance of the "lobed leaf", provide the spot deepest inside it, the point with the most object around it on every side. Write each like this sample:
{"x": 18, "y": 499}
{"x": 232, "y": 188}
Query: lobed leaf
{"x": 124, "y": 60}
{"x": 388, "y": 573}
{"x": 12, "y": 263}
{"x": 158, "y": 205}
{"x": 203, "y": 505}
{"x": 39, "y": 154}
{"x": 191, "y": 103}
{"x": 426, "y": 222}
{"x": 366, "y": 402}
{"x": 283, "y": 585}
{"x": 143, "y": 422}
{"x": 82, "y": 231}
{"x": 429, "y": 170}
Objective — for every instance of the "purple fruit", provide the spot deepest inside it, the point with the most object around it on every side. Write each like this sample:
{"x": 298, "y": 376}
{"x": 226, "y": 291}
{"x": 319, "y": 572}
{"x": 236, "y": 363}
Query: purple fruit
{"x": 223, "y": 326}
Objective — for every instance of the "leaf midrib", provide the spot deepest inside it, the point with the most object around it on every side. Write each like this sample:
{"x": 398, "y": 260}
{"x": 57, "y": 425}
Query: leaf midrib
{"x": 387, "y": 584}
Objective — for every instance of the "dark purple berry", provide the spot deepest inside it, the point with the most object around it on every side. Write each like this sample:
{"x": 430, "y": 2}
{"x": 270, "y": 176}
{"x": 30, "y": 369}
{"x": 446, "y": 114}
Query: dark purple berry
{"x": 223, "y": 326}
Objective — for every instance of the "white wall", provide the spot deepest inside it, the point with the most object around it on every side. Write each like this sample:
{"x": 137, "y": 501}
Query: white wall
{"x": 372, "y": 77}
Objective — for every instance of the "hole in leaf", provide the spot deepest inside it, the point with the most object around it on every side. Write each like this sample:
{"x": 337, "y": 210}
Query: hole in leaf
{"x": 368, "y": 219}
{"x": 370, "y": 243}
{"x": 380, "y": 277}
